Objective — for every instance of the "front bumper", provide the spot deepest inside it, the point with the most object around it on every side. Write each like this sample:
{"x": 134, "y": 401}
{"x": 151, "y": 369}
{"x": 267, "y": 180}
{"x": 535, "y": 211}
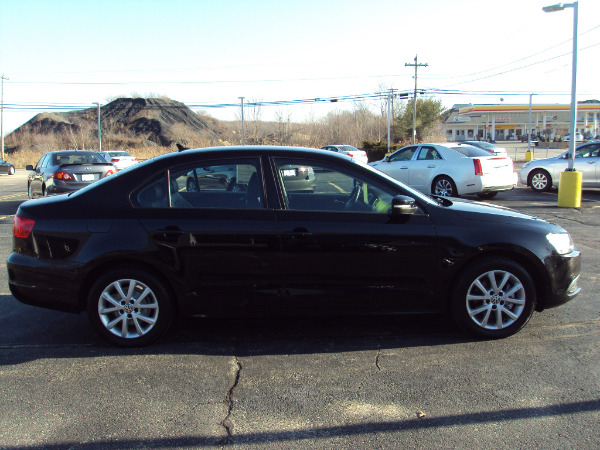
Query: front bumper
{"x": 564, "y": 277}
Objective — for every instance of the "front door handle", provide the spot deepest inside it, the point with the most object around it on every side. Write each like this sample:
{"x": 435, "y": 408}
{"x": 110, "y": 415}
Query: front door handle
{"x": 169, "y": 234}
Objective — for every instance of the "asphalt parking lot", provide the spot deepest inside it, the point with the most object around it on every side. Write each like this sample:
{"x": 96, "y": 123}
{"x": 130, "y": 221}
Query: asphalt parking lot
{"x": 368, "y": 382}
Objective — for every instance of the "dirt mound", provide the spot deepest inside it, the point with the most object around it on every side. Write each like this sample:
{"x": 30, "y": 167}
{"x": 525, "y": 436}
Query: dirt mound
{"x": 158, "y": 120}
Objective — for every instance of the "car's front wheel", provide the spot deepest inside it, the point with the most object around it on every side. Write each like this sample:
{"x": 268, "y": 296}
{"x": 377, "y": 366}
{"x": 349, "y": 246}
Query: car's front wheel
{"x": 540, "y": 181}
{"x": 444, "y": 186}
{"x": 493, "y": 298}
{"x": 129, "y": 307}
{"x": 11, "y": 170}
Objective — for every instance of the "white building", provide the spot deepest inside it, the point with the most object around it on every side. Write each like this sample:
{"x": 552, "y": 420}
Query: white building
{"x": 509, "y": 122}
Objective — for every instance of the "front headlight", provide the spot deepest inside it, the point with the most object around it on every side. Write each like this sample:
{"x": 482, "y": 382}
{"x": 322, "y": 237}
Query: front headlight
{"x": 562, "y": 242}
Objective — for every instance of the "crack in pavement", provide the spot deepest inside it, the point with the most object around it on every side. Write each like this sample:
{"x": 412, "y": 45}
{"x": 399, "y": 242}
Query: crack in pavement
{"x": 377, "y": 359}
{"x": 229, "y": 400}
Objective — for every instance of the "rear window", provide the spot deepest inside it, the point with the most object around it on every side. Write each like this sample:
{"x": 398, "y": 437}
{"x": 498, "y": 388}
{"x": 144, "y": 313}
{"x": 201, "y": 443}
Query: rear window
{"x": 118, "y": 154}
{"x": 76, "y": 158}
{"x": 470, "y": 151}
{"x": 485, "y": 145}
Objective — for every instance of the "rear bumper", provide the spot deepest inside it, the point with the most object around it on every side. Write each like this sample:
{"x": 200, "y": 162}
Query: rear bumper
{"x": 487, "y": 183}
{"x": 60, "y": 291}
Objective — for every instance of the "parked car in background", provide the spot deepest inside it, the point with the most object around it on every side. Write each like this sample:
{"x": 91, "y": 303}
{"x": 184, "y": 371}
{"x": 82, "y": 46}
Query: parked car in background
{"x": 578, "y": 137}
{"x": 349, "y": 150}
{"x": 534, "y": 139}
{"x": 542, "y": 174}
{"x": 6, "y": 167}
{"x": 66, "y": 171}
{"x": 120, "y": 159}
{"x": 135, "y": 248}
{"x": 450, "y": 169}
{"x": 488, "y": 147}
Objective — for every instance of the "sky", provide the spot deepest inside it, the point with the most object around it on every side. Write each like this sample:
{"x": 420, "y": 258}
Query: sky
{"x": 292, "y": 57}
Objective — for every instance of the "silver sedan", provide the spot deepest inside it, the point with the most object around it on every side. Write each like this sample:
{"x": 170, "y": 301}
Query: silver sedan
{"x": 543, "y": 174}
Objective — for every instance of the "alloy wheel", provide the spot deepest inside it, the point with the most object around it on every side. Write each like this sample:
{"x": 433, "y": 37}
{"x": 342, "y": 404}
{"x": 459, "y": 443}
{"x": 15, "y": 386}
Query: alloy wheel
{"x": 128, "y": 308}
{"x": 495, "y": 300}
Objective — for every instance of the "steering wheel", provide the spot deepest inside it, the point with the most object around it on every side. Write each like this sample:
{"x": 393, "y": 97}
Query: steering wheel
{"x": 233, "y": 186}
{"x": 353, "y": 197}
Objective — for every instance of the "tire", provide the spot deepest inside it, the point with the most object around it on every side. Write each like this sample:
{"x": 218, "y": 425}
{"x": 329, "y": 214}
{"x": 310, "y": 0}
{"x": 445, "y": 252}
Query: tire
{"x": 494, "y": 298}
{"x": 129, "y": 307}
{"x": 487, "y": 195}
{"x": 444, "y": 186}
{"x": 11, "y": 170}
{"x": 540, "y": 181}
{"x": 29, "y": 191}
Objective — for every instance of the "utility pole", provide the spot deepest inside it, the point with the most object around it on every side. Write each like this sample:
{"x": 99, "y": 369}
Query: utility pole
{"x": 390, "y": 110}
{"x": 243, "y": 133}
{"x": 415, "y": 65}
{"x": 2, "y": 78}
{"x": 99, "y": 128}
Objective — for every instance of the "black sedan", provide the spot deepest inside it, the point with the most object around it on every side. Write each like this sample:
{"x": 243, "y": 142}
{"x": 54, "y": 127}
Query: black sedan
{"x": 6, "y": 167}
{"x": 66, "y": 171}
{"x": 138, "y": 247}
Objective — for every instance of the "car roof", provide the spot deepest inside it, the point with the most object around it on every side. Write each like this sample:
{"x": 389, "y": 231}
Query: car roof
{"x": 272, "y": 150}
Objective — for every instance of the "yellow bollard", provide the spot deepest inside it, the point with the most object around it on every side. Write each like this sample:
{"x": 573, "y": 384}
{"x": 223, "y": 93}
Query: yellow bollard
{"x": 529, "y": 155}
{"x": 569, "y": 189}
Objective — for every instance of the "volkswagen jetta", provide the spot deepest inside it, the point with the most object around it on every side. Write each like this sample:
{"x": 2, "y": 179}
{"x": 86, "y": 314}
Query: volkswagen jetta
{"x": 139, "y": 247}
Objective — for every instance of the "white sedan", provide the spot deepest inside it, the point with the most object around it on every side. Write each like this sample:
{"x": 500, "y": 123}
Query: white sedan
{"x": 348, "y": 150}
{"x": 118, "y": 158}
{"x": 450, "y": 170}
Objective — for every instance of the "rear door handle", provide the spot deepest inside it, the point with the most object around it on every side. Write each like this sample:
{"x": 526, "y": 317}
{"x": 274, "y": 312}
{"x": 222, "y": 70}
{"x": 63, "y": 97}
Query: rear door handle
{"x": 300, "y": 233}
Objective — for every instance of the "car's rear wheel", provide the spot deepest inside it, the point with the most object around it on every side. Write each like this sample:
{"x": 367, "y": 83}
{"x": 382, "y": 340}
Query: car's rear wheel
{"x": 494, "y": 298}
{"x": 11, "y": 170}
{"x": 444, "y": 186}
{"x": 540, "y": 181}
{"x": 129, "y": 307}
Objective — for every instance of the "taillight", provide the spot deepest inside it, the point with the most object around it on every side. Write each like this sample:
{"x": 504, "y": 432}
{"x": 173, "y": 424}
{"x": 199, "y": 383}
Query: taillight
{"x": 62, "y": 176}
{"x": 114, "y": 160}
{"x": 351, "y": 155}
{"x": 478, "y": 168}
{"x": 109, "y": 172}
{"x": 134, "y": 159}
{"x": 22, "y": 226}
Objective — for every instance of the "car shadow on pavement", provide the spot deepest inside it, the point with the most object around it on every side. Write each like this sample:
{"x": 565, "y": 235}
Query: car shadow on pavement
{"x": 64, "y": 335}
